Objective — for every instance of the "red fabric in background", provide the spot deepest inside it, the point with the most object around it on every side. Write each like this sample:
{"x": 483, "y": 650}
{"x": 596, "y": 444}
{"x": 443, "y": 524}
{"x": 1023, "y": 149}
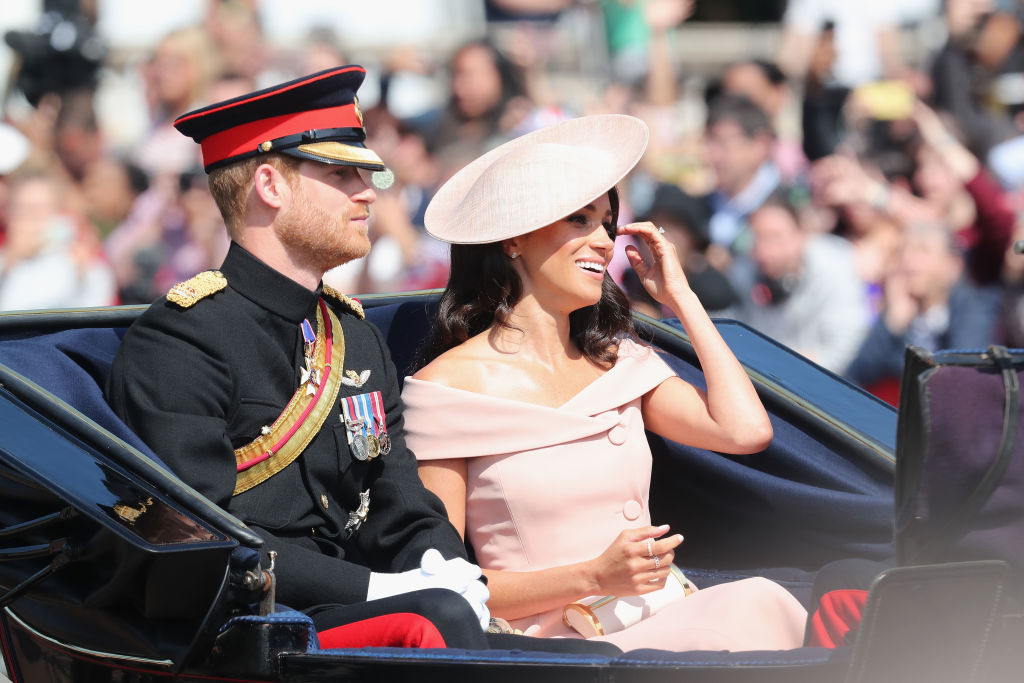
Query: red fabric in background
{"x": 988, "y": 237}
{"x": 401, "y": 629}
{"x": 838, "y": 613}
{"x": 887, "y": 389}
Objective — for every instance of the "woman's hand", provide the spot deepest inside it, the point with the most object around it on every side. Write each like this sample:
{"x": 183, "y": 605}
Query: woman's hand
{"x": 628, "y": 566}
{"x": 663, "y": 277}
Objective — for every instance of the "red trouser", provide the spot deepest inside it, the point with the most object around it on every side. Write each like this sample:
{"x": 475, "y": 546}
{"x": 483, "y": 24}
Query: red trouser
{"x": 838, "y": 613}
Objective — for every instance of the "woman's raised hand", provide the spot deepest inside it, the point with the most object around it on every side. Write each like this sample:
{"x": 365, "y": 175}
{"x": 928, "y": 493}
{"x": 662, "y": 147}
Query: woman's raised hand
{"x": 663, "y": 277}
{"x": 635, "y": 563}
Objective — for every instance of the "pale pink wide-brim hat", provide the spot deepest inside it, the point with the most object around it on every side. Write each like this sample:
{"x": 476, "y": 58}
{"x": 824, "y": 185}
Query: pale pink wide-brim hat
{"x": 537, "y": 179}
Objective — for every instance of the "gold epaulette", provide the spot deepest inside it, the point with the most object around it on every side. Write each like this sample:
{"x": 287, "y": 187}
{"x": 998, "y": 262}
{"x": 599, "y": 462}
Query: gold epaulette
{"x": 187, "y": 293}
{"x": 349, "y": 302}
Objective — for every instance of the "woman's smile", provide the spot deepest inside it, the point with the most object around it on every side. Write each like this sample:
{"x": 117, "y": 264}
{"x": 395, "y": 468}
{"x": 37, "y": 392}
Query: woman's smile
{"x": 592, "y": 267}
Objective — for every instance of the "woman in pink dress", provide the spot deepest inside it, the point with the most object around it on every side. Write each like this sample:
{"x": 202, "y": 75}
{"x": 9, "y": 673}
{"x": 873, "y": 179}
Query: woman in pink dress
{"x": 529, "y": 418}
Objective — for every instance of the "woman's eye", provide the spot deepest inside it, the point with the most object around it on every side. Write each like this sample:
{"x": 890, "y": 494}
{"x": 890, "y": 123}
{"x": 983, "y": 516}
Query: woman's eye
{"x": 612, "y": 230}
{"x": 578, "y": 218}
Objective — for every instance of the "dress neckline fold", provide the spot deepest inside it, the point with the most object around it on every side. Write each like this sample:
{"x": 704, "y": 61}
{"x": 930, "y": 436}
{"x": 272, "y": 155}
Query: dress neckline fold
{"x": 438, "y": 418}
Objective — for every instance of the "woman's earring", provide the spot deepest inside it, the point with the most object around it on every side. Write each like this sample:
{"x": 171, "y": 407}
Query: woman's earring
{"x": 514, "y": 254}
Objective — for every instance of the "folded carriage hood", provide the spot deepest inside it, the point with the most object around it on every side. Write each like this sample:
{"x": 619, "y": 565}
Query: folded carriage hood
{"x": 101, "y": 546}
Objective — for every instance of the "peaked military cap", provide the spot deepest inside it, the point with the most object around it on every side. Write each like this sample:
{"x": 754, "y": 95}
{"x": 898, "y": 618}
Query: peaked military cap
{"x": 315, "y": 117}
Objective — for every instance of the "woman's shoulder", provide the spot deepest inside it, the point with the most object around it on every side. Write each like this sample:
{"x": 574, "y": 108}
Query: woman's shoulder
{"x": 460, "y": 367}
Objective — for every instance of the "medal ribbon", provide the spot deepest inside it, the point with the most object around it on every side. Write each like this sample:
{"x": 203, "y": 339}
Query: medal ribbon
{"x": 368, "y": 411}
{"x": 377, "y": 406}
{"x": 307, "y": 332}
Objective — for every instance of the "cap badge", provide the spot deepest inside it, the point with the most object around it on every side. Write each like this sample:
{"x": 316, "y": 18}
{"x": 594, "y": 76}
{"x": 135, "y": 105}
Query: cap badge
{"x": 359, "y": 112}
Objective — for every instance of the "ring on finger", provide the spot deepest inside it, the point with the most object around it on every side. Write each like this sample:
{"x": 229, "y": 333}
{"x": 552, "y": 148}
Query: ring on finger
{"x": 657, "y": 562}
{"x": 661, "y": 230}
{"x": 650, "y": 548}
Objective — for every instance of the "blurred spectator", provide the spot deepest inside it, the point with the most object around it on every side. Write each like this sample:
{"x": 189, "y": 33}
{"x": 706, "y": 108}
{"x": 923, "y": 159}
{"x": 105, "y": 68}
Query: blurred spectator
{"x": 321, "y": 50}
{"x": 77, "y": 138}
{"x": 866, "y": 39}
{"x": 176, "y": 77}
{"x": 14, "y": 150}
{"x": 635, "y": 35}
{"x": 739, "y": 139}
{"x": 486, "y": 99}
{"x": 403, "y": 256}
{"x": 174, "y": 231}
{"x": 524, "y": 10}
{"x": 874, "y": 235}
{"x": 234, "y": 28}
{"x": 952, "y": 187}
{"x": 982, "y": 42}
{"x": 685, "y": 221}
{"x": 766, "y": 86}
{"x": 821, "y": 115}
{"x": 928, "y": 304}
{"x": 965, "y": 194}
{"x": 543, "y": 36}
{"x": 109, "y": 188}
{"x": 800, "y": 288}
{"x": 50, "y": 258}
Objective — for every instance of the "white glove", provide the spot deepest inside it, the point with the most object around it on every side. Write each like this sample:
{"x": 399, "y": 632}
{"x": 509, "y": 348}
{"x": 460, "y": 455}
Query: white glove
{"x": 435, "y": 572}
{"x": 477, "y": 595}
{"x": 457, "y": 569}
{"x": 462, "y": 572}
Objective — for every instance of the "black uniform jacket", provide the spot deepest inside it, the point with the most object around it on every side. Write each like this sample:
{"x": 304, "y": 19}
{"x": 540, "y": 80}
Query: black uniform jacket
{"x": 195, "y": 383}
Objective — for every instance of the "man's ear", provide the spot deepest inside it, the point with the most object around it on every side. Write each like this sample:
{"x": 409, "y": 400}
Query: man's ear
{"x": 270, "y": 185}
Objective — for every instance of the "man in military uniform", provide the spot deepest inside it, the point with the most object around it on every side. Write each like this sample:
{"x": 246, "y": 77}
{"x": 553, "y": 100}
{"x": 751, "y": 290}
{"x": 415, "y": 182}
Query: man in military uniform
{"x": 268, "y": 393}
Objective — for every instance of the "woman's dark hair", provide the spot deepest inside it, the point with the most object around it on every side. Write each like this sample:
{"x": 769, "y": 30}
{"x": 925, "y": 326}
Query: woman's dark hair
{"x": 511, "y": 76}
{"x": 791, "y": 199}
{"x": 483, "y": 287}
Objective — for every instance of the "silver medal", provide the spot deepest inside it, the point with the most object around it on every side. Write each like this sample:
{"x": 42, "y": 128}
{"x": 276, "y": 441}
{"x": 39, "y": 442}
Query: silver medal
{"x": 360, "y": 447}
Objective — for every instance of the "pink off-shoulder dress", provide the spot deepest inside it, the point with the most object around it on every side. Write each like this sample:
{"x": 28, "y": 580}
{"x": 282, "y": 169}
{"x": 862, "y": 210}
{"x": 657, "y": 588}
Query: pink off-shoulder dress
{"x": 554, "y": 486}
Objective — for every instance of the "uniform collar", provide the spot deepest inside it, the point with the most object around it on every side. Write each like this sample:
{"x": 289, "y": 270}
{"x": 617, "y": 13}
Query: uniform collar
{"x": 261, "y": 284}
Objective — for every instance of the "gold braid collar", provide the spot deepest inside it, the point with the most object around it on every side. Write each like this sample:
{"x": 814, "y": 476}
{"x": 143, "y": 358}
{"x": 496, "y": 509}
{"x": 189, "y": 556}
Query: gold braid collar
{"x": 349, "y": 302}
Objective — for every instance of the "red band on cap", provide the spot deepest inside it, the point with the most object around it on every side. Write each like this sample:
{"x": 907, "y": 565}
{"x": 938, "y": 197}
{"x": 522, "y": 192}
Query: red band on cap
{"x": 247, "y": 137}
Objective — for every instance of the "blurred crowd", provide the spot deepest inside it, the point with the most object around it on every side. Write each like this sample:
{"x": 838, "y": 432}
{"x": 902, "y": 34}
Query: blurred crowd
{"x": 844, "y": 194}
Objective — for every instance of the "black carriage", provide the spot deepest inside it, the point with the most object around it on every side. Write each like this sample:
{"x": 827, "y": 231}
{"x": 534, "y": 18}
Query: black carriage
{"x": 113, "y": 569}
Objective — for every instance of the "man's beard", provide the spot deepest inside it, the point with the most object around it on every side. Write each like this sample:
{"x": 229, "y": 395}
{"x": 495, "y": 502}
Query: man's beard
{"x": 319, "y": 239}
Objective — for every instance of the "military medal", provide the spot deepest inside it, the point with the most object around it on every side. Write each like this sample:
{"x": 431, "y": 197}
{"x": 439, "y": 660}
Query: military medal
{"x": 380, "y": 422}
{"x": 308, "y": 338}
{"x": 364, "y": 419}
{"x": 310, "y": 375}
{"x": 373, "y": 446}
{"x": 358, "y": 516}
{"x": 360, "y": 448}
